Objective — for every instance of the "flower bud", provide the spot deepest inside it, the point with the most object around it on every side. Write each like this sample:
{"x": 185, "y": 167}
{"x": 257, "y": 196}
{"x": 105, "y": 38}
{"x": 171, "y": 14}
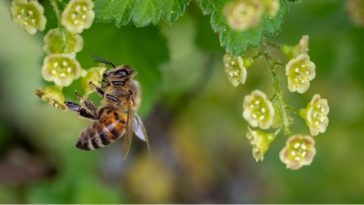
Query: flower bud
{"x": 260, "y": 142}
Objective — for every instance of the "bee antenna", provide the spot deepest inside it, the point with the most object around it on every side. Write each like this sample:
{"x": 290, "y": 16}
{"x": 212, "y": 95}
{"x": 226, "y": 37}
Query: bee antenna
{"x": 103, "y": 60}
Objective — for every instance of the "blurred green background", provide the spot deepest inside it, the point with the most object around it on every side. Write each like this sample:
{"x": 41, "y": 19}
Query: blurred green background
{"x": 193, "y": 115}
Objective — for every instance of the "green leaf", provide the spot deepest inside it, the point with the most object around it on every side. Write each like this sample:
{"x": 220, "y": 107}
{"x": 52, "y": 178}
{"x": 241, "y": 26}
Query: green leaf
{"x": 141, "y": 12}
{"x": 235, "y": 42}
{"x": 145, "y": 49}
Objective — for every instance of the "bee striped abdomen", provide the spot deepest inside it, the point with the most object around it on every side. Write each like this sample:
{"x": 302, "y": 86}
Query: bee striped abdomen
{"x": 105, "y": 131}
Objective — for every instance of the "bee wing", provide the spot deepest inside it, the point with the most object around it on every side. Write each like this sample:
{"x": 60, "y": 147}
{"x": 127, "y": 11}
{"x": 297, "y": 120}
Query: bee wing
{"x": 139, "y": 129}
{"x": 128, "y": 137}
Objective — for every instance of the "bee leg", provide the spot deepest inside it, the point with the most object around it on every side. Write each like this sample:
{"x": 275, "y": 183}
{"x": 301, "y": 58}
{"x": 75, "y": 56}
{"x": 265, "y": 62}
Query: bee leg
{"x": 89, "y": 105}
{"x": 80, "y": 110}
{"x": 98, "y": 89}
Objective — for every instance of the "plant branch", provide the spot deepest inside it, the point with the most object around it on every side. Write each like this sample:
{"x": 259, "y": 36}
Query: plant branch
{"x": 282, "y": 106}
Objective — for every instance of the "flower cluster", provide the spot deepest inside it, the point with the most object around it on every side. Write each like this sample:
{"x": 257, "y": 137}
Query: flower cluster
{"x": 61, "y": 45}
{"x": 235, "y": 69}
{"x": 29, "y": 14}
{"x": 262, "y": 113}
{"x": 260, "y": 142}
{"x": 299, "y": 151}
{"x": 242, "y": 15}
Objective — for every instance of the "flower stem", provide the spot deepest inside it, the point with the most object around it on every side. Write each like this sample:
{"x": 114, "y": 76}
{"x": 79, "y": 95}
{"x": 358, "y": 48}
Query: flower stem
{"x": 282, "y": 106}
{"x": 60, "y": 26}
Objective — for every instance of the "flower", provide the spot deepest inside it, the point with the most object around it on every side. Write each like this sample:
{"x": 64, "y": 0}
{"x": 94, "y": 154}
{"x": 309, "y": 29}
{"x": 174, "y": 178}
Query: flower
{"x": 53, "y": 96}
{"x": 260, "y": 142}
{"x": 258, "y": 110}
{"x": 299, "y": 151}
{"x": 300, "y": 71}
{"x": 29, "y": 14}
{"x": 315, "y": 115}
{"x": 243, "y": 14}
{"x": 298, "y": 49}
{"x": 272, "y": 7}
{"x": 93, "y": 75}
{"x": 61, "y": 68}
{"x": 355, "y": 9}
{"x": 235, "y": 69}
{"x": 78, "y": 15}
{"x": 303, "y": 45}
{"x": 54, "y": 42}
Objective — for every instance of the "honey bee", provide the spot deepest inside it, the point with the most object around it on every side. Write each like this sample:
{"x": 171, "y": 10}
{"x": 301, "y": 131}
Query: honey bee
{"x": 117, "y": 116}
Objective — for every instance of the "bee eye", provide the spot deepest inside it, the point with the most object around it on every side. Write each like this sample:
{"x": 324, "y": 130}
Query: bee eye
{"x": 121, "y": 73}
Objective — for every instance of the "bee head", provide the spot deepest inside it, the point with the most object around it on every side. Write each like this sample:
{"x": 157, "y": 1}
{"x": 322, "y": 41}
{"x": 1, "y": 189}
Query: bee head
{"x": 120, "y": 73}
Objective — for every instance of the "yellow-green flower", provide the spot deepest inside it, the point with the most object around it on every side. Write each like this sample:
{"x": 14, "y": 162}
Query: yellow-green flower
{"x": 55, "y": 42}
{"x": 61, "y": 68}
{"x": 272, "y": 7}
{"x": 258, "y": 110}
{"x": 260, "y": 142}
{"x": 243, "y": 14}
{"x": 300, "y": 71}
{"x": 298, "y": 49}
{"x": 29, "y": 14}
{"x": 78, "y": 15}
{"x": 235, "y": 69}
{"x": 315, "y": 115}
{"x": 299, "y": 151}
{"x": 53, "y": 96}
{"x": 93, "y": 75}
